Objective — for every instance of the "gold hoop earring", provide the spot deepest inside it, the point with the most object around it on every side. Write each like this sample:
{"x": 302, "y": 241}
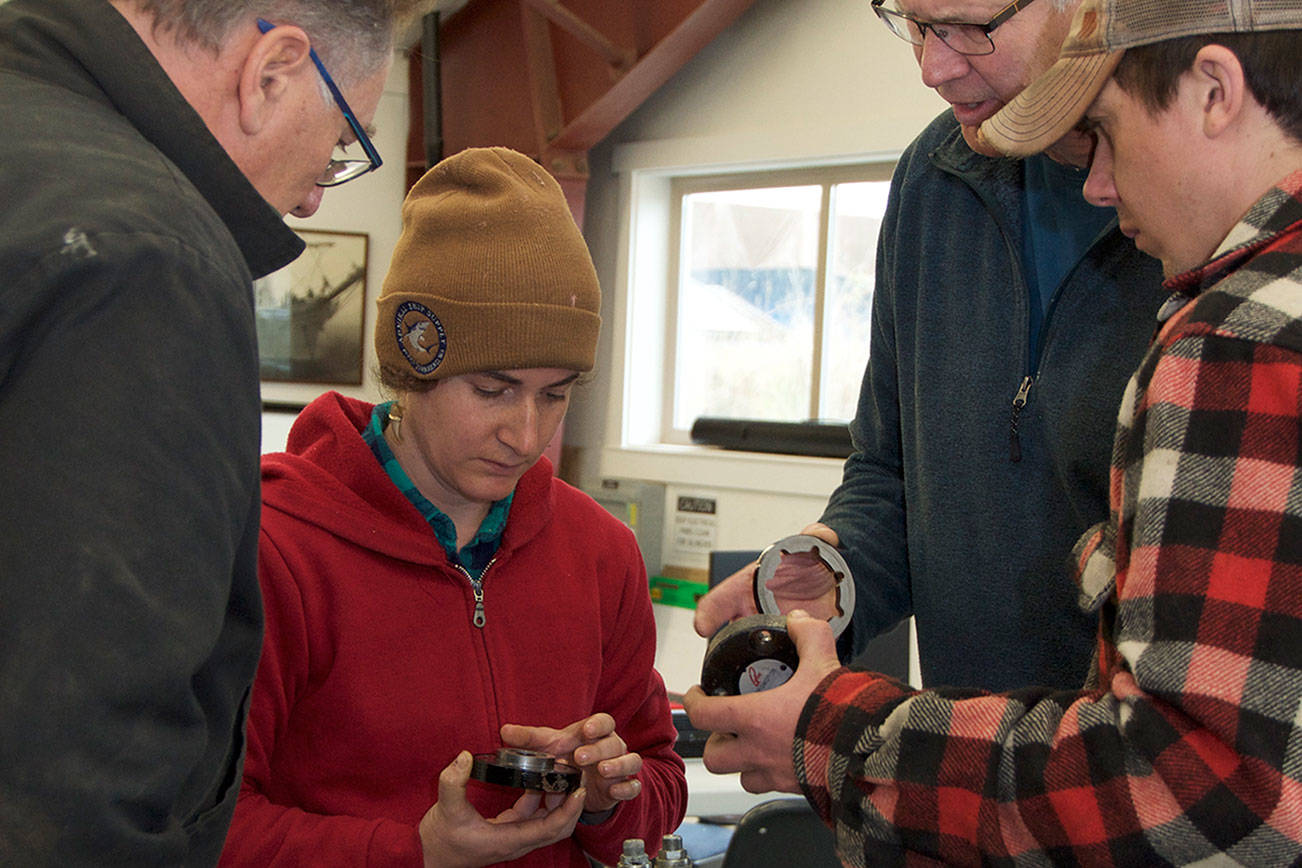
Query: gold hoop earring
{"x": 395, "y": 420}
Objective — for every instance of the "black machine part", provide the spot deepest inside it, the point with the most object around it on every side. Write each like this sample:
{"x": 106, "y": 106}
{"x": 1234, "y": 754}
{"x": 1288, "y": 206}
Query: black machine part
{"x": 525, "y": 770}
{"x": 750, "y": 654}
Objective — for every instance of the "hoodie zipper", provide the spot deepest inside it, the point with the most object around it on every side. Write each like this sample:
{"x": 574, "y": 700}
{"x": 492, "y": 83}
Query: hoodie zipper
{"x": 477, "y": 588}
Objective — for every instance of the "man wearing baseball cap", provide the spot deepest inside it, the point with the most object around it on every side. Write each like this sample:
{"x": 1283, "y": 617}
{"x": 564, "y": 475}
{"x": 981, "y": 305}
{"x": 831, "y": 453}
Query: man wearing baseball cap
{"x": 1185, "y": 747}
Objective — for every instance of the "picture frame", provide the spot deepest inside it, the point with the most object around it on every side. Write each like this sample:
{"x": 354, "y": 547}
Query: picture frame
{"x": 310, "y": 315}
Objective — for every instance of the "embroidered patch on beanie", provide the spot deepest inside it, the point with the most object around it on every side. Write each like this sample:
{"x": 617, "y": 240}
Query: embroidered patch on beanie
{"x": 421, "y": 337}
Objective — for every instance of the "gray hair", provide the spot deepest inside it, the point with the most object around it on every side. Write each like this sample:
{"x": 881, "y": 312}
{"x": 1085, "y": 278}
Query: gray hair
{"x": 352, "y": 37}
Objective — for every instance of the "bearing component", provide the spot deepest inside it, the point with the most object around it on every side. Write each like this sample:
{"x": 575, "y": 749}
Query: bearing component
{"x": 755, "y": 652}
{"x": 525, "y": 770}
{"x": 771, "y": 557}
{"x": 751, "y": 654}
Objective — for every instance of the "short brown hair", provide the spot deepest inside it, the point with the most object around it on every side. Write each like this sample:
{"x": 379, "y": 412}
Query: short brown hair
{"x": 397, "y": 381}
{"x": 1272, "y": 67}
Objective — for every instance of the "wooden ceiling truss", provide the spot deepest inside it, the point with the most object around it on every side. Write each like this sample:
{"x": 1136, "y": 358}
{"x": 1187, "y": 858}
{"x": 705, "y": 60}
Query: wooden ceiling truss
{"x": 552, "y": 79}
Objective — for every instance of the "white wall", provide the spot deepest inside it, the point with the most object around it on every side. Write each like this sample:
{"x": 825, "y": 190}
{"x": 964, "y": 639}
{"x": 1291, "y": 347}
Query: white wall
{"x": 806, "y": 78}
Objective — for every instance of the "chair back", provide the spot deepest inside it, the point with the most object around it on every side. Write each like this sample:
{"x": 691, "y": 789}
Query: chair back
{"x": 783, "y": 833}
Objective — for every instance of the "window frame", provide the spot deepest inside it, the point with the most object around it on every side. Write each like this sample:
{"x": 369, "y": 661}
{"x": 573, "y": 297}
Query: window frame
{"x": 682, "y": 185}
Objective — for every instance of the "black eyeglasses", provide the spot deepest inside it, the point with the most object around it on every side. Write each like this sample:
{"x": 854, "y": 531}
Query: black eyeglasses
{"x": 340, "y": 170}
{"x": 965, "y": 38}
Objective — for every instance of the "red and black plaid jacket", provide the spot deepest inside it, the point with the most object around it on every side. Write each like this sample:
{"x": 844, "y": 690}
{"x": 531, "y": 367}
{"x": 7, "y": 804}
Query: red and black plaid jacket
{"x": 1191, "y": 744}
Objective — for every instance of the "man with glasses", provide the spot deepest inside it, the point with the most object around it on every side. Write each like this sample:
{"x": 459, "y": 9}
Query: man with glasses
{"x": 1007, "y": 315}
{"x": 151, "y": 149}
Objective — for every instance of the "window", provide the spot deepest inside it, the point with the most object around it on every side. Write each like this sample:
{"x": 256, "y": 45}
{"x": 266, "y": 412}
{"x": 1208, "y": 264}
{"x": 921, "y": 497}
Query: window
{"x": 768, "y": 296}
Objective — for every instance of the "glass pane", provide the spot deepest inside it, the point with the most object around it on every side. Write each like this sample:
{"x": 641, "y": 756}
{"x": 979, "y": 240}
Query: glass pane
{"x": 746, "y": 304}
{"x": 857, "y": 211}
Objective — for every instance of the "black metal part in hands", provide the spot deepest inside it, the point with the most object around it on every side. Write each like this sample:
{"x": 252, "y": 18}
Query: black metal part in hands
{"x": 525, "y": 770}
{"x": 750, "y": 654}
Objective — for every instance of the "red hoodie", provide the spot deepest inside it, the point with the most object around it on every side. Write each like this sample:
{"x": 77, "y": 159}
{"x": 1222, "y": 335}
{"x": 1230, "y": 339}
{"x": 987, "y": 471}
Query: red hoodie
{"x": 373, "y": 676}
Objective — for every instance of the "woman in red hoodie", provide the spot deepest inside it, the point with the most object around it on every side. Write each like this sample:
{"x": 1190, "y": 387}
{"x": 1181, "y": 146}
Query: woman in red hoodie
{"x": 433, "y": 592}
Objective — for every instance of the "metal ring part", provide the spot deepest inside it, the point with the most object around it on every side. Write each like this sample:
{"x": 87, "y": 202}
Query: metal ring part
{"x": 556, "y": 777}
{"x": 529, "y": 760}
{"x": 771, "y": 557}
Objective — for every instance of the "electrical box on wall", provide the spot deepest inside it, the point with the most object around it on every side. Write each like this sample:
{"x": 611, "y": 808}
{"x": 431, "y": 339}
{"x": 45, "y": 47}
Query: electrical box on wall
{"x": 641, "y": 506}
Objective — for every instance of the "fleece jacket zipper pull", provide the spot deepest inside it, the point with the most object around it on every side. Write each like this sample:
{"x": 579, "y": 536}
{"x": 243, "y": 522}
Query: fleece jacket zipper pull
{"x": 476, "y": 588}
{"x": 1019, "y": 401}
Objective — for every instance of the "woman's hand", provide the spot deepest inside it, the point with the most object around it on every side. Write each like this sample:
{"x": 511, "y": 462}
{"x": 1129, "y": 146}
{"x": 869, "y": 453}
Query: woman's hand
{"x": 454, "y": 835}
{"x": 592, "y": 746}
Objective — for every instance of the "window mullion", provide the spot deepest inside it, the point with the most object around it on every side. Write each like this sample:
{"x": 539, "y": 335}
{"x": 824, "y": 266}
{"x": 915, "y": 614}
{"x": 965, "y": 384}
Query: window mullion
{"x": 669, "y": 394}
{"x": 820, "y": 299}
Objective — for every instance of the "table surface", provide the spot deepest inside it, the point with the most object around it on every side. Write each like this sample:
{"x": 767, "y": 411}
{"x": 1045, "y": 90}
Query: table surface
{"x": 711, "y": 795}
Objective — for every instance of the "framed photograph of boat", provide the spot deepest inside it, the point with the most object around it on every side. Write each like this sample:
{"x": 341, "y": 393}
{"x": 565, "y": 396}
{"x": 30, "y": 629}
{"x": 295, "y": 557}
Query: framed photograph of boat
{"x": 310, "y": 313}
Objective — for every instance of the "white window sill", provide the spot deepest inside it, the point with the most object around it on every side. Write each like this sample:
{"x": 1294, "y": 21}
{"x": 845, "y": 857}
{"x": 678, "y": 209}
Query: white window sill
{"x": 713, "y": 467}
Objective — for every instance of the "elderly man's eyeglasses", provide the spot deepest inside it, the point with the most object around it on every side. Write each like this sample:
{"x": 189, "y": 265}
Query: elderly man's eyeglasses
{"x": 965, "y": 38}
{"x": 339, "y": 169}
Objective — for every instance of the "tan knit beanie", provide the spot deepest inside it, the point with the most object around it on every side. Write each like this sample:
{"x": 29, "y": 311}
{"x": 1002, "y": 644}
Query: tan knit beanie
{"x": 490, "y": 273}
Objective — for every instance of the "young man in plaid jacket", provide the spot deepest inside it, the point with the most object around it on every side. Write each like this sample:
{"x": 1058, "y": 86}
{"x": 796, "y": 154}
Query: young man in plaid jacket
{"x": 1187, "y": 745}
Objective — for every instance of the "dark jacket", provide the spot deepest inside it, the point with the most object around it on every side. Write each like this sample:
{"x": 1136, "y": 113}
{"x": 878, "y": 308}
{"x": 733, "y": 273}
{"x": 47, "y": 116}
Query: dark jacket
{"x": 130, "y": 617}
{"x": 937, "y": 519}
